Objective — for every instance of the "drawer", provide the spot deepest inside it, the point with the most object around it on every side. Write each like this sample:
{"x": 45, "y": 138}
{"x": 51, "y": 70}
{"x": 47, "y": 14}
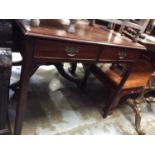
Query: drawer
{"x": 59, "y": 50}
{"x": 119, "y": 54}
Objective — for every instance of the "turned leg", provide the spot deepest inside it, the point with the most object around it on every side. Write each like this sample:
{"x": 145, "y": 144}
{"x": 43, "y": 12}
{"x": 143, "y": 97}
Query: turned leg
{"x": 135, "y": 105}
{"x": 138, "y": 119}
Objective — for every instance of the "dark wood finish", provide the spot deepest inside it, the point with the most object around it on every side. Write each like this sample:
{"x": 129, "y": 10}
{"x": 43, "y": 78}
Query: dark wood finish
{"x": 138, "y": 83}
{"x": 113, "y": 101}
{"x": 6, "y": 33}
{"x": 48, "y": 42}
{"x": 137, "y": 79}
{"x": 56, "y": 29}
{"x": 24, "y": 82}
{"x": 5, "y": 73}
{"x": 141, "y": 72}
{"x": 57, "y": 50}
{"x": 118, "y": 54}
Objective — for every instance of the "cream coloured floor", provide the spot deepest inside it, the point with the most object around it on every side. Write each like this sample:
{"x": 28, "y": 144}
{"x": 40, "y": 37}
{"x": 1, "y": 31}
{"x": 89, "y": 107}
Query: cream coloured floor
{"x": 57, "y": 107}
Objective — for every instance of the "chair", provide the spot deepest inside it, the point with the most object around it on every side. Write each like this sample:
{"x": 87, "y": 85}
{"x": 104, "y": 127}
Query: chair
{"x": 133, "y": 28}
{"x": 138, "y": 79}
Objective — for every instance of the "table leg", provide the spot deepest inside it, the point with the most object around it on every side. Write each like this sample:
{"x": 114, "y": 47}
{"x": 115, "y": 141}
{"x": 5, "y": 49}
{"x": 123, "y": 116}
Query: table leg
{"x": 22, "y": 102}
{"x": 24, "y": 82}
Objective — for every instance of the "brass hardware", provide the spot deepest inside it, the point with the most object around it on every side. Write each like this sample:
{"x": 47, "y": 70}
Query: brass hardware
{"x": 122, "y": 55}
{"x": 71, "y": 51}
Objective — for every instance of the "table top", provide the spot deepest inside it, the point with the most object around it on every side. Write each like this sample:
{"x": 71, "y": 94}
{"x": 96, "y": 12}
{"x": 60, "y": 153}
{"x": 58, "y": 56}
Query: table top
{"x": 56, "y": 29}
{"x": 148, "y": 42}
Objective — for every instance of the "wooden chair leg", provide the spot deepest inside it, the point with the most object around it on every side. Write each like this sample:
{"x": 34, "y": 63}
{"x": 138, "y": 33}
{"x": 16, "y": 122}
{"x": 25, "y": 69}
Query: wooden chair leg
{"x": 136, "y": 108}
{"x": 135, "y": 104}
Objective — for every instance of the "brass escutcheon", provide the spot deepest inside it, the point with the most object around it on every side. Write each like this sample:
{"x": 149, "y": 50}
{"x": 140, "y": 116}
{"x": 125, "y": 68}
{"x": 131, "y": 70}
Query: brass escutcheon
{"x": 71, "y": 51}
{"x": 122, "y": 55}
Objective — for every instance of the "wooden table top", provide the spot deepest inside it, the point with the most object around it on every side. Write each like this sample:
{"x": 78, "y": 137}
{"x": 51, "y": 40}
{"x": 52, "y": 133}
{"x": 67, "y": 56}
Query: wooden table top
{"x": 148, "y": 42}
{"x": 85, "y": 33}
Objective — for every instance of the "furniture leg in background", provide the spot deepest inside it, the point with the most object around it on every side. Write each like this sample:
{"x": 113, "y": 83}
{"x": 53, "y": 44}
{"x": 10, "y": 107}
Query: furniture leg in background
{"x": 5, "y": 73}
{"x": 135, "y": 104}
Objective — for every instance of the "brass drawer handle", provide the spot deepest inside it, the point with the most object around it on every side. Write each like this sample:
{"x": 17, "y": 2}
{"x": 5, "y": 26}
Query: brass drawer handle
{"x": 71, "y": 51}
{"x": 122, "y": 55}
